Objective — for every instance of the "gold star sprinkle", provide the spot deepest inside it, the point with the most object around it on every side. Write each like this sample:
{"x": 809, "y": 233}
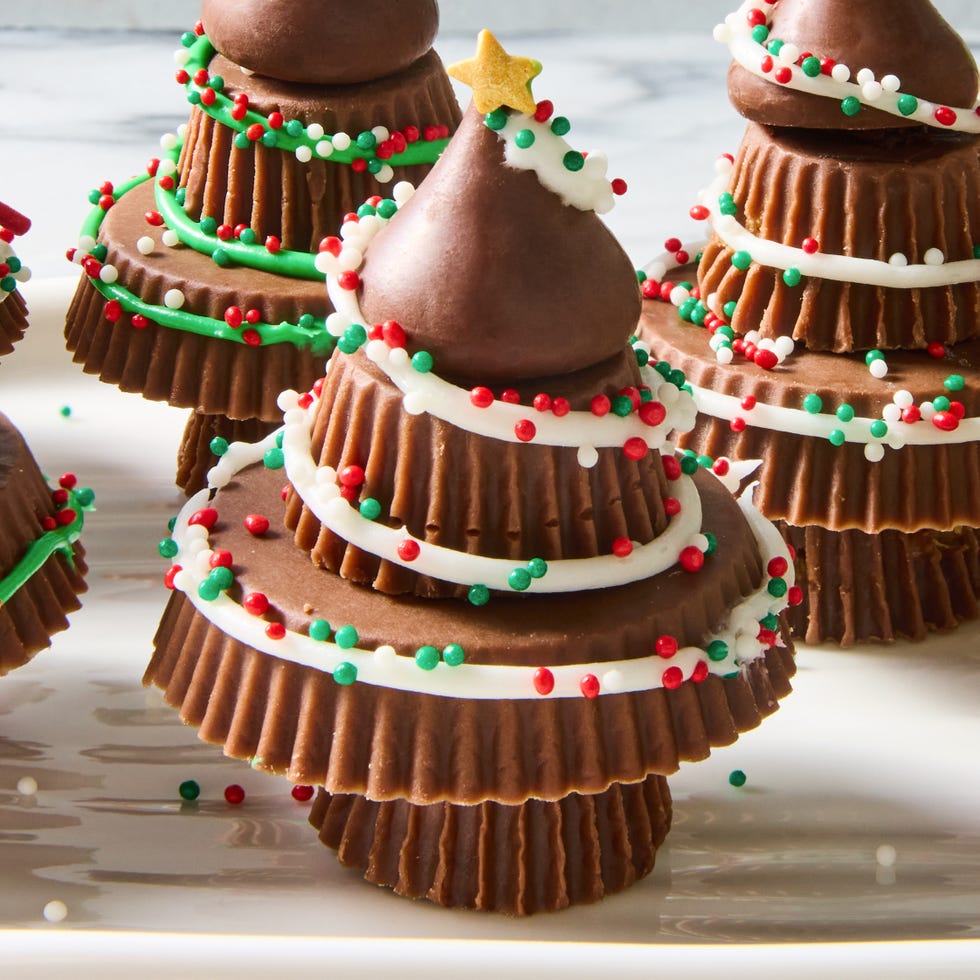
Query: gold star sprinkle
{"x": 497, "y": 78}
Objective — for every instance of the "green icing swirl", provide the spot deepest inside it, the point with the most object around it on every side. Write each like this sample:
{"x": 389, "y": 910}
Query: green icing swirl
{"x": 201, "y": 51}
{"x": 39, "y": 551}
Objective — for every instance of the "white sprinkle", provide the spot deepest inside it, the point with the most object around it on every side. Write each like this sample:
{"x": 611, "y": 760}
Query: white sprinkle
{"x": 903, "y": 398}
{"x": 724, "y": 355}
{"x": 402, "y": 192}
{"x": 27, "y": 785}
{"x": 864, "y": 76}
{"x": 166, "y": 167}
{"x": 314, "y": 131}
{"x": 840, "y": 73}
{"x": 612, "y": 680}
{"x": 324, "y": 148}
{"x": 145, "y": 245}
{"x": 86, "y": 243}
{"x": 181, "y": 57}
{"x": 108, "y": 274}
{"x": 871, "y": 91}
{"x": 891, "y": 413}
{"x": 679, "y": 294}
{"x": 304, "y": 154}
{"x": 934, "y": 256}
{"x": 886, "y": 855}
{"x": 789, "y": 54}
{"x": 380, "y": 133}
{"x": 878, "y": 368}
{"x": 588, "y": 456}
{"x": 873, "y": 452}
{"x": 170, "y": 238}
{"x": 891, "y": 83}
{"x": 898, "y": 259}
{"x": 722, "y": 33}
{"x": 341, "y": 141}
{"x": 55, "y": 911}
{"x": 173, "y": 299}
{"x": 784, "y": 346}
{"x": 168, "y": 141}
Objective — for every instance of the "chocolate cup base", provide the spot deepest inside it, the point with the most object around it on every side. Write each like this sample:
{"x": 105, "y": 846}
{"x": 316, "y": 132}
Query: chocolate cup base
{"x": 39, "y": 608}
{"x": 517, "y": 860}
{"x": 13, "y": 321}
{"x": 883, "y": 587}
{"x": 194, "y": 455}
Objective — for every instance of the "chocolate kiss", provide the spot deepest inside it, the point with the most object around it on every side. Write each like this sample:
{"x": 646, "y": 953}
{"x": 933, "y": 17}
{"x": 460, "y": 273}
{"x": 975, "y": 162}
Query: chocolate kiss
{"x": 495, "y": 276}
{"x": 905, "y": 38}
{"x": 324, "y": 42}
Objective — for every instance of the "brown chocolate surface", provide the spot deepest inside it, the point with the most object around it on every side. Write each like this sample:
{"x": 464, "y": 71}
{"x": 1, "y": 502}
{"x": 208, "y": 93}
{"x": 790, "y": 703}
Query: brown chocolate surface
{"x": 441, "y": 482}
{"x": 322, "y": 41}
{"x": 38, "y": 608}
{"x": 809, "y": 481}
{"x": 389, "y": 744}
{"x": 273, "y": 192}
{"x": 212, "y": 376}
{"x": 547, "y": 855}
{"x": 863, "y": 197}
{"x": 492, "y": 300}
{"x": 906, "y": 38}
{"x": 195, "y": 456}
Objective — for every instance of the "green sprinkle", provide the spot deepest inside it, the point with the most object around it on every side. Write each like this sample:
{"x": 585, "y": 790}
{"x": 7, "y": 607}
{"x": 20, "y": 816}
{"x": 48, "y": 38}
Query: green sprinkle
{"x": 573, "y": 161}
{"x": 366, "y": 210}
{"x": 622, "y": 405}
{"x": 907, "y": 104}
{"x": 100, "y": 252}
{"x": 172, "y": 523}
{"x": 65, "y": 411}
{"x": 705, "y": 462}
{"x": 769, "y": 622}
{"x": 642, "y": 359}
{"x": 387, "y": 209}
{"x": 242, "y": 142}
{"x": 346, "y": 637}
{"x": 976, "y": 251}
{"x": 188, "y": 38}
{"x": 319, "y": 630}
{"x": 641, "y": 276}
{"x": 792, "y": 277}
{"x": 699, "y": 313}
{"x": 345, "y": 673}
{"x": 677, "y": 378}
{"x": 519, "y": 579}
{"x": 370, "y": 509}
{"x": 168, "y": 548}
{"x": 422, "y": 361}
{"x": 726, "y": 204}
{"x": 726, "y": 331}
{"x": 686, "y": 310}
{"x": 189, "y": 790}
{"x": 180, "y": 195}
{"x": 217, "y": 83}
{"x": 221, "y": 258}
{"x": 729, "y": 308}
{"x": 662, "y": 368}
{"x": 941, "y": 404}
{"x": 223, "y": 577}
{"x": 813, "y": 404}
{"x": 689, "y": 465}
{"x": 879, "y": 429}
{"x": 741, "y": 261}
{"x": 525, "y": 139}
{"x": 247, "y": 237}
{"x": 837, "y": 438}
{"x": 845, "y": 412}
{"x": 737, "y": 778}
{"x": 295, "y": 128}
{"x": 209, "y": 225}
{"x": 427, "y": 658}
{"x": 8, "y": 284}
{"x": 208, "y": 590}
{"x": 273, "y": 458}
{"x": 453, "y": 655}
{"x": 872, "y": 356}
{"x": 851, "y": 106}
{"x": 955, "y": 382}
{"x": 777, "y": 587}
{"x": 537, "y": 568}
{"x": 479, "y": 595}
{"x": 760, "y": 33}
{"x": 811, "y": 66}
{"x": 85, "y": 496}
{"x": 712, "y": 543}
{"x": 775, "y": 46}
{"x": 280, "y": 436}
{"x": 496, "y": 120}
{"x": 219, "y": 446}
{"x": 269, "y": 138}
{"x": 367, "y": 140}
{"x": 560, "y": 126}
{"x": 717, "y": 650}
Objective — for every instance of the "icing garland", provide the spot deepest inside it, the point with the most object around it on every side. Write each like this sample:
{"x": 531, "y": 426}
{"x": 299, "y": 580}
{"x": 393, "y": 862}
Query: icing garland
{"x": 644, "y": 426}
{"x": 376, "y": 151}
{"x": 746, "y": 33}
{"x": 902, "y": 423}
{"x": 61, "y": 531}
{"x": 12, "y": 270}
{"x": 808, "y": 260}
{"x": 750, "y": 630}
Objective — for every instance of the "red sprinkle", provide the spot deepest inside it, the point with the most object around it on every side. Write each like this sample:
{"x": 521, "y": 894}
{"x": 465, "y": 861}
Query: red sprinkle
{"x": 275, "y": 631}
{"x": 560, "y": 407}
{"x": 393, "y": 333}
{"x": 766, "y": 359}
{"x": 672, "y": 244}
{"x": 795, "y": 595}
{"x": 543, "y": 111}
{"x": 699, "y": 212}
{"x": 544, "y": 681}
{"x": 589, "y": 686}
{"x": 622, "y": 547}
{"x": 408, "y": 550}
{"x": 945, "y": 116}
{"x": 275, "y": 120}
{"x": 748, "y": 403}
{"x": 252, "y": 338}
{"x": 672, "y": 678}
{"x": 700, "y": 672}
{"x": 256, "y": 603}
{"x": 600, "y": 405}
{"x": 331, "y": 244}
{"x": 113, "y": 311}
{"x": 234, "y": 794}
{"x": 619, "y": 186}
{"x": 349, "y": 280}
{"x": 652, "y": 413}
{"x": 221, "y": 559}
{"x": 510, "y": 396}
{"x": 635, "y": 448}
{"x": 737, "y": 424}
{"x": 154, "y": 218}
{"x": 302, "y": 794}
{"x": 256, "y": 524}
{"x": 672, "y": 468}
{"x": 811, "y": 246}
{"x": 351, "y": 475}
{"x": 68, "y": 480}
{"x": 911, "y": 414}
{"x": 206, "y": 517}
{"x": 255, "y": 131}
{"x": 168, "y": 578}
{"x": 542, "y": 402}
{"x": 777, "y": 567}
{"x": 783, "y": 75}
{"x": 672, "y": 506}
{"x": 691, "y": 559}
{"x": 234, "y": 317}
{"x": 666, "y": 646}
{"x": 525, "y": 430}
{"x": 721, "y": 466}
{"x": 946, "y": 421}
{"x": 936, "y": 350}
{"x": 481, "y": 397}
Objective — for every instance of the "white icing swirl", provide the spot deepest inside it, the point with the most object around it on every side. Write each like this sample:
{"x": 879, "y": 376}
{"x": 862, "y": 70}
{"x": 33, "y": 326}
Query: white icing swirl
{"x": 883, "y": 94}
{"x": 823, "y": 265}
{"x": 383, "y": 667}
